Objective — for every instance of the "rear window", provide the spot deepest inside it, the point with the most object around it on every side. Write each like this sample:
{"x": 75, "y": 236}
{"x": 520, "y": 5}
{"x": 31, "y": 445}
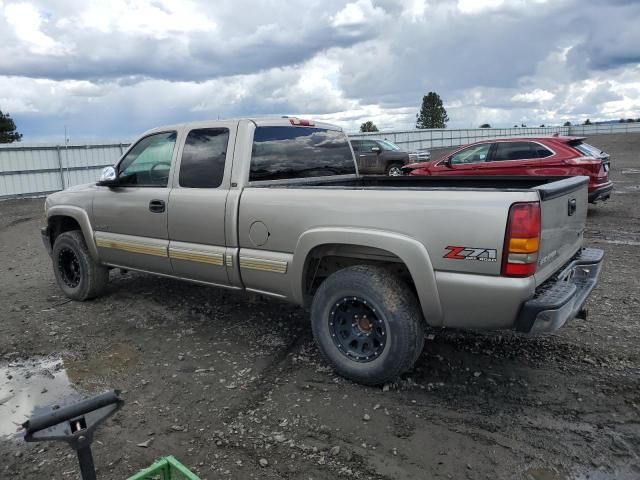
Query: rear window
{"x": 514, "y": 151}
{"x": 588, "y": 150}
{"x": 542, "y": 152}
{"x": 299, "y": 152}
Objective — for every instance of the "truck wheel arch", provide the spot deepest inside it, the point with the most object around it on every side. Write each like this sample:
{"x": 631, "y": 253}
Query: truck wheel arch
{"x": 61, "y": 219}
{"x": 411, "y": 253}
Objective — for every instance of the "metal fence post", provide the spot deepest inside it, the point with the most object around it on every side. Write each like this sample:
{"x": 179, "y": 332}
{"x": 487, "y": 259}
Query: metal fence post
{"x": 62, "y": 184}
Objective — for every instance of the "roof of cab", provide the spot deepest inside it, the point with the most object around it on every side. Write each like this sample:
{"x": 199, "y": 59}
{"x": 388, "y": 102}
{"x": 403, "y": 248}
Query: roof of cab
{"x": 284, "y": 121}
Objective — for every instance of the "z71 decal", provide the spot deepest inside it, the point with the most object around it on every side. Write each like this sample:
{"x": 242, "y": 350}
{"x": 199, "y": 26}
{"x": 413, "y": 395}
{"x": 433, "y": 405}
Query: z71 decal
{"x": 471, "y": 253}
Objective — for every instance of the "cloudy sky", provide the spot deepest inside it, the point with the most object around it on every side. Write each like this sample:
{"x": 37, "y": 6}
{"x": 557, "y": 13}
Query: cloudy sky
{"x": 113, "y": 68}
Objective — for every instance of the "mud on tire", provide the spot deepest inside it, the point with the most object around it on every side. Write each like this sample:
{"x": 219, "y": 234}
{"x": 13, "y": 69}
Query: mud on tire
{"x": 77, "y": 274}
{"x": 367, "y": 324}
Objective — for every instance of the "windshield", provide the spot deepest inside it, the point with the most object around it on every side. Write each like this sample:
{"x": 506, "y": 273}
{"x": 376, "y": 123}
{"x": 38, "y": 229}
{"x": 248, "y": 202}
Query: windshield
{"x": 386, "y": 145}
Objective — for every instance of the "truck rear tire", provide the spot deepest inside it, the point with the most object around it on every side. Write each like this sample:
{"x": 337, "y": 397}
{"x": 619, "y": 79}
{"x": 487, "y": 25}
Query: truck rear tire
{"x": 78, "y": 275}
{"x": 367, "y": 324}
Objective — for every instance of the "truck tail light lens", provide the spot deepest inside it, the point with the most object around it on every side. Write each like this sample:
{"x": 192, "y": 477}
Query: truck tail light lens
{"x": 522, "y": 240}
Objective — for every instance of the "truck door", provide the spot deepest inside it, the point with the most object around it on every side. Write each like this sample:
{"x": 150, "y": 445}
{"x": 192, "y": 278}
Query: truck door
{"x": 367, "y": 158}
{"x": 130, "y": 220}
{"x": 197, "y": 204}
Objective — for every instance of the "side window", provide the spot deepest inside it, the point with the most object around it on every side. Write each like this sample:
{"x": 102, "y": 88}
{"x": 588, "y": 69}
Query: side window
{"x": 514, "y": 151}
{"x": 367, "y": 145}
{"x": 299, "y": 152}
{"x": 541, "y": 151}
{"x": 355, "y": 144}
{"x": 475, "y": 154}
{"x": 149, "y": 161}
{"x": 203, "y": 158}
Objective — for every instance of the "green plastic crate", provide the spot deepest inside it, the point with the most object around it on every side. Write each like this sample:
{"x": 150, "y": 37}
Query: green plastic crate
{"x": 167, "y": 468}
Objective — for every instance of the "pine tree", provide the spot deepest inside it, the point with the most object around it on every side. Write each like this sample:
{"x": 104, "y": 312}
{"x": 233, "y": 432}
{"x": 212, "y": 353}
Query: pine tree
{"x": 432, "y": 113}
{"x": 8, "y": 131}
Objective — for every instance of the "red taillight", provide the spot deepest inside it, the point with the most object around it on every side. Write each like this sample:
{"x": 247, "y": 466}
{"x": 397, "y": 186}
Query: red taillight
{"x": 299, "y": 122}
{"x": 522, "y": 240}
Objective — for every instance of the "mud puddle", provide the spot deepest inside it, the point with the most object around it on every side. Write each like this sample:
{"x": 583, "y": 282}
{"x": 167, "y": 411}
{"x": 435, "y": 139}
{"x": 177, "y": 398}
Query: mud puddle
{"x": 32, "y": 387}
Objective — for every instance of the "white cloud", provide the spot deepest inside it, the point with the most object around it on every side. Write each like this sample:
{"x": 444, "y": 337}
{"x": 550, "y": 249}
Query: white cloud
{"x": 474, "y": 6}
{"x": 537, "y": 95}
{"x": 414, "y": 9}
{"x": 155, "y": 18}
{"x": 116, "y": 68}
{"x": 356, "y": 13}
{"x": 477, "y": 6}
{"x": 26, "y": 22}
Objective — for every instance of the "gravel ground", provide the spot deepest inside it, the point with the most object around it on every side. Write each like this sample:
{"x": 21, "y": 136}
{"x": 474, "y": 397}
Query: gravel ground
{"x": 234, "y": 387}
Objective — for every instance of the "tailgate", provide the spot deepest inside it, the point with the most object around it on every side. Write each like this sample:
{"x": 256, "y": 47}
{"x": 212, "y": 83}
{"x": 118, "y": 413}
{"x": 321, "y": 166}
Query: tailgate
{"x": 563, "y": 207}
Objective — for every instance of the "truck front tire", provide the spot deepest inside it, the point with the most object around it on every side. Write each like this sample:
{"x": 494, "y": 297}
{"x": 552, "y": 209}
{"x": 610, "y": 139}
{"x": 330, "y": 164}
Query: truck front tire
{"x": 78, "y": 275}
{"x": 367, "y": 324}
{"x": 394, "y": 170}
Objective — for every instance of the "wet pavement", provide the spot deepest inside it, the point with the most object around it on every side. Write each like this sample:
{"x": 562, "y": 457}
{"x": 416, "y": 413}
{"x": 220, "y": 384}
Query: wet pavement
{"x": 31, "y": 388}
{"x": 234, "y": 387}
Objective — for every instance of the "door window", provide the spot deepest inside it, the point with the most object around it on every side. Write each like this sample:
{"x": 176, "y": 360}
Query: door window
{"x": 367, "y": 145}
{"x": 203, "y": 158}
{"x": 355, "y": 144}
{"x": 514, "y": 151}
{"x": 475, "y": 154}
{"x": 148, "y": 163}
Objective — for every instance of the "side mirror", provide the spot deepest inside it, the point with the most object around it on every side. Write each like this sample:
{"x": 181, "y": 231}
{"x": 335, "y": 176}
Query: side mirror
{"x": 376, "y": 149}
{"x": 108, "y": 177}
{"x": 447, "y": 162}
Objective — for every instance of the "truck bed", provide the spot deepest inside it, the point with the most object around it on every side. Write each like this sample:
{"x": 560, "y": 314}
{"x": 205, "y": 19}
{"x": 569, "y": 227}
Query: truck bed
{"x": 549, "y": 187}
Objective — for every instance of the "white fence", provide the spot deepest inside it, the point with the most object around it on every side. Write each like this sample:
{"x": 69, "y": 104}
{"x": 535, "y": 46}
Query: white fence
{"x": 605, "y": 128}
{"x": 416, "y": 140}
{"x": 32, "y": 170}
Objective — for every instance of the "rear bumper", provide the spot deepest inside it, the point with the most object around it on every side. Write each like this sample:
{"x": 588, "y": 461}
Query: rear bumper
{"x": 562, "y": 297}
{"x": 601, "y": 192}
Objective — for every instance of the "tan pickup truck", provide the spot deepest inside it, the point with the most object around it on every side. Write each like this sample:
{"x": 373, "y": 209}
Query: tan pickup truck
{"x": 276, "y": 206}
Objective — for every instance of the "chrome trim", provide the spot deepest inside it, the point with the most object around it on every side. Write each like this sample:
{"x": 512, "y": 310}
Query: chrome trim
{"x": 176, "y": 253}
{"x": 263, "y": 264}
{"x": 132, "y": 247}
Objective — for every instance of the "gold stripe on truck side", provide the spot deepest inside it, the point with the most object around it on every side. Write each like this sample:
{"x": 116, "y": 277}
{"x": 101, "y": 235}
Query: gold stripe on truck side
{"x": 132, "y": 247}
{"x": 192, "y": 256}
{"x": 263, "y": 264}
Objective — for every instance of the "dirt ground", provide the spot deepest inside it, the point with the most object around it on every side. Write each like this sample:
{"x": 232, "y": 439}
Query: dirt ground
{"x": 233, "y": 385}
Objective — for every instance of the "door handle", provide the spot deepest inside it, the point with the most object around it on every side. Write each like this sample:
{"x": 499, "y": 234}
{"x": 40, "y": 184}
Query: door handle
{"x": 157, "y": 206}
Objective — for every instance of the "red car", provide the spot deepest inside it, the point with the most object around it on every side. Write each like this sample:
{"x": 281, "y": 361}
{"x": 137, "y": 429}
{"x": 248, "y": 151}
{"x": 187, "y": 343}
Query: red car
{"x": 540, "y": 156}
